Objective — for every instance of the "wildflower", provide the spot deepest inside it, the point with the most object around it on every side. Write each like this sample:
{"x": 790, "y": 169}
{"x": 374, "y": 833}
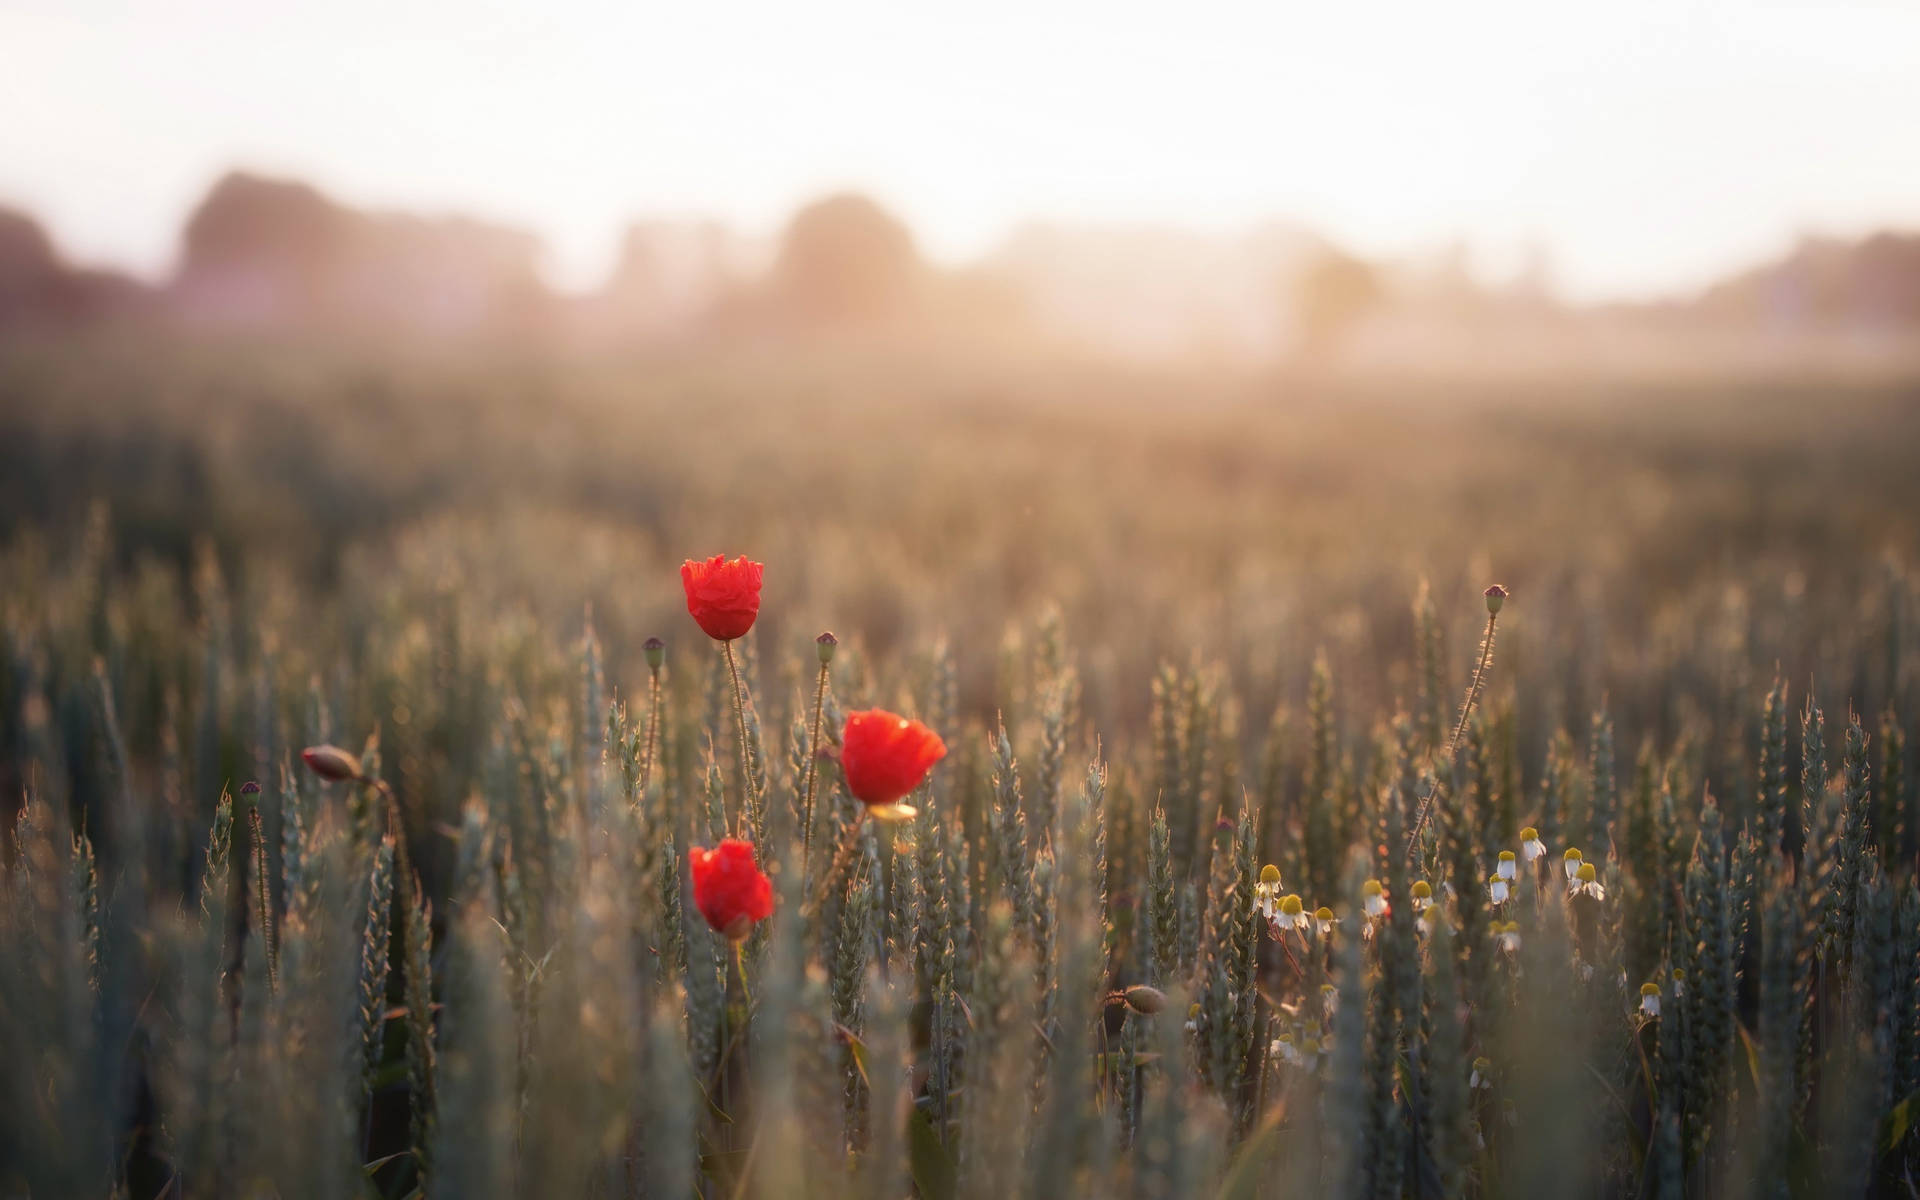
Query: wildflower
{"x": 1507, "y": 867}
{"x": 656, "y": 651}
{"x": 1266, "y": 893}
{"x": 1309, "y": 1057}
{"x": 1497, "y": 889}
{"x": 331, "y": 762}
{"x": 723, "y": 597}
{"x": 1482, "y": 1074}
{"x": 1329, "y": 998}
{"x": 1193, "y": 1018}
{"x": 1679, "y": 982}
{"x": 1376, "y": 897}
{"x": 1282, "y": 1049}
{"x": 1293, "y": 914}
{"x": 1422, "y": 892}
{"x": 1323, "y": 917}
{"x": 1496, "y": 596}
{"x": 729, "y": 888}
{"x": 1650, "y": 999}
{"x": 1531, "y": 847}
{"x": 1586, "y": 879}
{"x": 885, "y": 757}
{"x": 823, "y": 647}
{"x": 1508, "y": 935}
{"x": 1572, "y": 859}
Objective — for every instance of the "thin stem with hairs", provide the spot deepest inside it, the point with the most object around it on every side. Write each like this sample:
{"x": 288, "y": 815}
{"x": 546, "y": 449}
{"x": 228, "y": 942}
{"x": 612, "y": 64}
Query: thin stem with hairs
{"x": 813, "y": 771}
{"x": 740, "y": 727}
{"x": 653, "y": 730}
{"x": 263, "y": 900}
{"x": 842, "y": 857}
{"x": 1495, "y": 595}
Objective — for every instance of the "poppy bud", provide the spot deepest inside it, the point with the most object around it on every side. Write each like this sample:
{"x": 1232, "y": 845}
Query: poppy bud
{"x": 1496, "y": 596}
{"x": 1143, "y": 999}
{"x": 656, "y": 653}
{"x": 331, "y": 762}
{"x": 823, "y": 646}
{"x": 249, "y": 788}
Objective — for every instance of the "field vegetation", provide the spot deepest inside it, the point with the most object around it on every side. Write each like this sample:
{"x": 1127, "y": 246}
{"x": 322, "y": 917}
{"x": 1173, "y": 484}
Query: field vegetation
{"x": 1172, "y": 625}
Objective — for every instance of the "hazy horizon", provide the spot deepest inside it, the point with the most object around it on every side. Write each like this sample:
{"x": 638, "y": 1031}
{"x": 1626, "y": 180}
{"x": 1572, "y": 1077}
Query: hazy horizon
{"x": 1648, "y": 150}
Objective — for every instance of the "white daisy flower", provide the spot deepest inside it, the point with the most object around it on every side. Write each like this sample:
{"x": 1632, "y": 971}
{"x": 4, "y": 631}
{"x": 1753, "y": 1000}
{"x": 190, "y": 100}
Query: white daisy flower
{"x": 1376, "y": 897}
{"x": 1329, "y": 998}
{"x": 1323, "y": 917}
{"x": 1679, "y": 982}
{"x": 1508, "y": 935}
{"x": 1309, "y": 1056}
{"x": 1531, "y": 847}
{"x": 1587, "y": 880}
{"x": 1482, "y": 1074}
{"x": 1497, "y": 889}
{"x": 1508, "y": 867}
{"x": 1650, "y": 999}
{"x": 1292, "y": 914}
{"x": 1266, "y": 893}
{"x": 1572, "y": 860}
{"x": 1283, "y": 1049}
{"x": 1422, "y": 893}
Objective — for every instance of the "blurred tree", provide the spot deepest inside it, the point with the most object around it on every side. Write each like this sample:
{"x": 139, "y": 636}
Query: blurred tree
{"x": 1332, "y": 293}
{"x": 846, "y": 261}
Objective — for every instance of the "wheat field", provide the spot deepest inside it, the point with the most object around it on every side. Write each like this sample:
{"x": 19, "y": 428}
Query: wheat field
{"x": 1610, "y": 893}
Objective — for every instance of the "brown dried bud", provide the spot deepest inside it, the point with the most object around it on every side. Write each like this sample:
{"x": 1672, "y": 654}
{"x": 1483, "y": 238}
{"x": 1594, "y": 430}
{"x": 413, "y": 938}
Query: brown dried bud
{"x": 1143, "y": 999}
{"x": 331, "y": 762}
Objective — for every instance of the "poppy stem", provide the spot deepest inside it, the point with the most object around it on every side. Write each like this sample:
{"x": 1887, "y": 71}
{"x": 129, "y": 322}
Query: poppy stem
{"x": 849, "y": 842}
{"x": 813, "y": 772}
{"x": 740, "y": 964}
{"x": 740, "y": 726}
{"x": 1453, "y": 743}
{"x": 653, "y": 732}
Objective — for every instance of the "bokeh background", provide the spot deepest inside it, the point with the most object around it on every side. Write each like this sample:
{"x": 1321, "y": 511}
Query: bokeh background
{"x": 1220, "y": 331}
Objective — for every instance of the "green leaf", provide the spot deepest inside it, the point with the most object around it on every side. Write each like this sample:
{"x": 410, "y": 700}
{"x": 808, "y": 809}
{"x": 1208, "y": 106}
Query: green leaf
{"x": 1753, "y": 1052}
{"x": 858, "y": 1049}
{"x": 1248, "y": 1175}
{"x": 1898, "y": 1121}
{"x": 934, "y": 1171}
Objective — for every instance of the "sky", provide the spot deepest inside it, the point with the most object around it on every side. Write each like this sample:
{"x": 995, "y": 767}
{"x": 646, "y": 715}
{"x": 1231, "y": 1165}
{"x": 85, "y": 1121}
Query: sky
{"x": 1648, "y": 145}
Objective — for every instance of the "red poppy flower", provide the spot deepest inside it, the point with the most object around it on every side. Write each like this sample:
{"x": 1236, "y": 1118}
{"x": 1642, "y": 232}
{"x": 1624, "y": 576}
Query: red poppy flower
{"x": 724, "y": 597}
{"x": 729, "y": 889}
{"x": 885, "y": 757}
